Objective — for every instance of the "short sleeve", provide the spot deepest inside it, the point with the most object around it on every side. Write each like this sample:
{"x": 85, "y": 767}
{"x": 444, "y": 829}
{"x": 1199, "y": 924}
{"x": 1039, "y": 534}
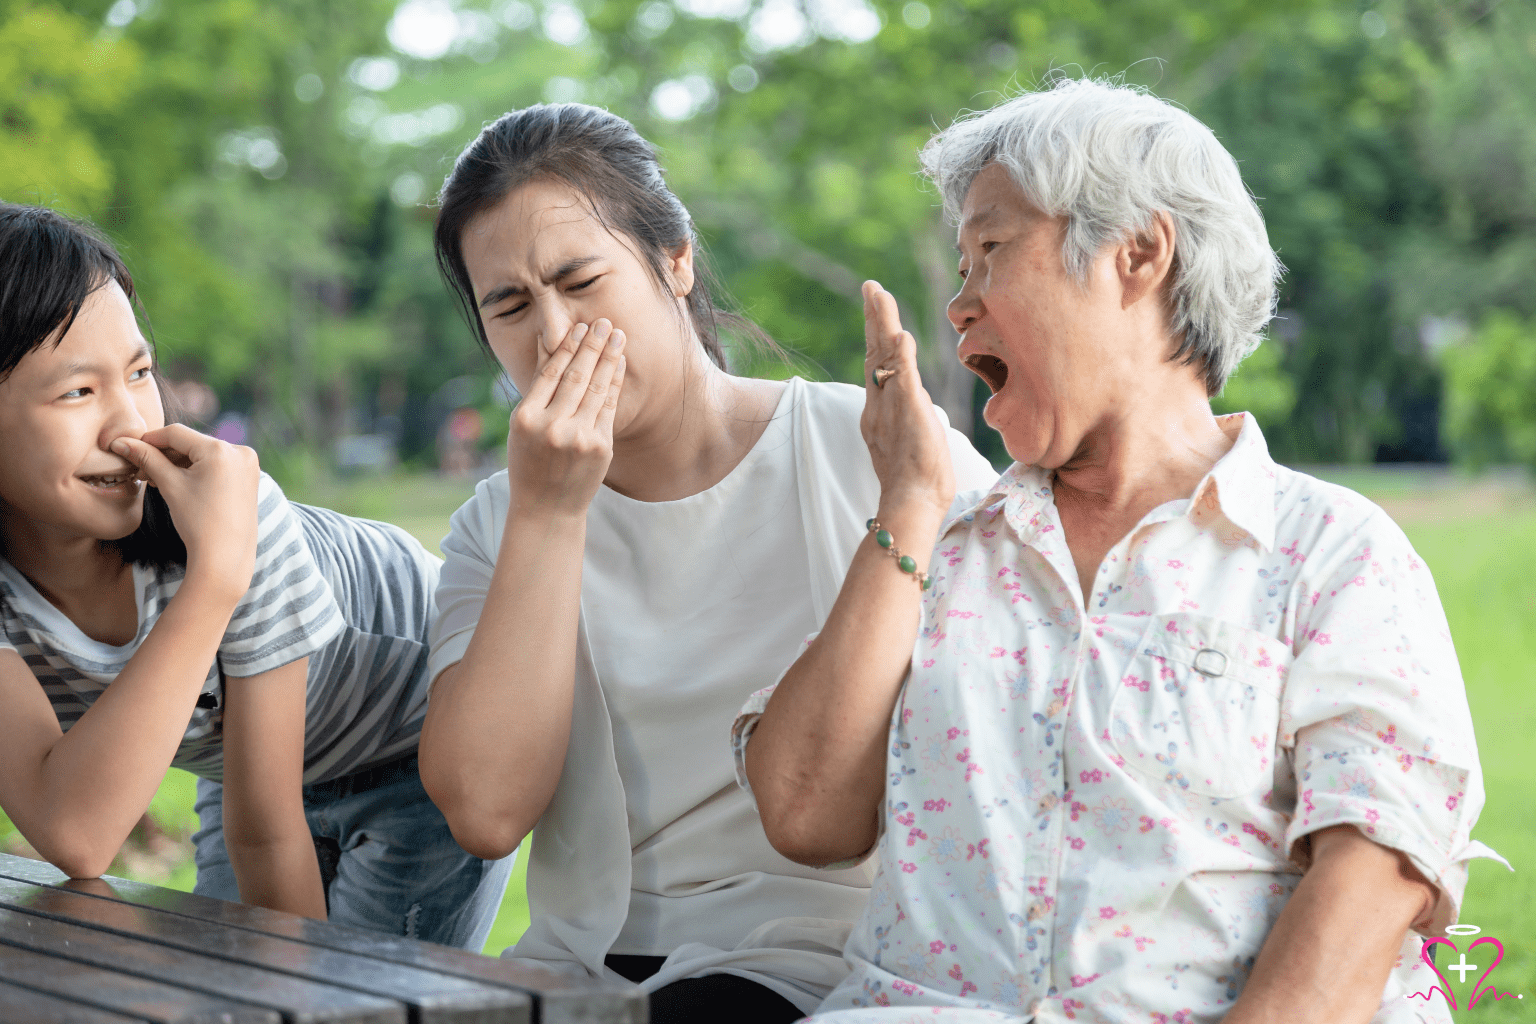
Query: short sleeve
{"x": 469, "y": 550}
{"x": 1376, "y": 710}
{"x": 290, "y": 611}
{"x": 741, "y": 733}
{"x": 747, "y": 719}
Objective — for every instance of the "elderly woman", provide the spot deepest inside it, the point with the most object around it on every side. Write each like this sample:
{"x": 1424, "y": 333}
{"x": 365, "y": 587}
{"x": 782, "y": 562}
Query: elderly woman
{"x": 1160, "y": 730}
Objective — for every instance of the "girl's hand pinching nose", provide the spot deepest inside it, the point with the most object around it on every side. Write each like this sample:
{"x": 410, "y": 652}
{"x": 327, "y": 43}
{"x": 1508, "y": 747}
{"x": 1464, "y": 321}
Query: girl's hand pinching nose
{"x": 210, "y": 488}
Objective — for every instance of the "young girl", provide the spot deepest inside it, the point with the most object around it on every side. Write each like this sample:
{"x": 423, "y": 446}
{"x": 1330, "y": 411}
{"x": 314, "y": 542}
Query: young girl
{"x": 163, "y": 604}
{"x": 664, "y": 537}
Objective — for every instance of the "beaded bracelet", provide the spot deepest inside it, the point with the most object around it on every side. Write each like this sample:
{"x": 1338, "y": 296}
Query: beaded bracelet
{"x": 906, "y": 563}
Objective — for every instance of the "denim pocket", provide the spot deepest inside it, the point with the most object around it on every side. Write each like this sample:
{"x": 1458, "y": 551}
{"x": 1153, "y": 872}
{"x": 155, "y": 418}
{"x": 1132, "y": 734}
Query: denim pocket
{"x": 1199, "y": 705}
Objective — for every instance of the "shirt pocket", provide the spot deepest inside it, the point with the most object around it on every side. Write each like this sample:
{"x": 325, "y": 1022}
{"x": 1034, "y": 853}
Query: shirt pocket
{"x": 1199, "y": 705}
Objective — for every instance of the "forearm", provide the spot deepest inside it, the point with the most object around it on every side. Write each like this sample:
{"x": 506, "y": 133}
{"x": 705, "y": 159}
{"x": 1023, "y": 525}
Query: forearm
{"x": 816, "y": 760}
{"x": 1336, "y": 941}
{"x": 95, "y": 782}
{"x": 494, "y": 740}
{"x": 278, "y": 870}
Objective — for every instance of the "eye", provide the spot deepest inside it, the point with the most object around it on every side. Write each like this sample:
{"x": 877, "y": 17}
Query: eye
{"x": 988, "y": 246}
{"x": 76, "y": 393}
{"x": 511, "y": 312}
{"x": 584, "y": 284}
{"x": 142, "y": 373}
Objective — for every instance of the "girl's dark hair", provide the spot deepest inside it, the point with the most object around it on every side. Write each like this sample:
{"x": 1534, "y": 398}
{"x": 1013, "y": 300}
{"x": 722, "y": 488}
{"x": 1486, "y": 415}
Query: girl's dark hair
{"x": 49, "y": 265}
{"x": 606, "y": 161}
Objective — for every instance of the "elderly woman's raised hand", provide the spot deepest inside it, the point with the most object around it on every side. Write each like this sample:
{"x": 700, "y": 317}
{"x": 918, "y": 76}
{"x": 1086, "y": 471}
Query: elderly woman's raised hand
{"x": 561, "y": 437}
{"x": 905, "y": 436}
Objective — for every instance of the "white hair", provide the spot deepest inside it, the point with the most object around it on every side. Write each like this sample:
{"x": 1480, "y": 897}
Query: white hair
{"x": 1108, "y": 157}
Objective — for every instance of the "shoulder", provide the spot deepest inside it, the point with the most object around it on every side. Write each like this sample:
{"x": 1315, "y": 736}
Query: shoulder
{"x": 475, "y": 528}
{"x": 270, "y": 499}
{"x": 1323, "y": 523}
{"x": 832, "y": 403}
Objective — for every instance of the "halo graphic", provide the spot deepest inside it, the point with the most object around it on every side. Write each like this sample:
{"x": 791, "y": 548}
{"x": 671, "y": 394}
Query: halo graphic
{"x": 1462, "y": 929}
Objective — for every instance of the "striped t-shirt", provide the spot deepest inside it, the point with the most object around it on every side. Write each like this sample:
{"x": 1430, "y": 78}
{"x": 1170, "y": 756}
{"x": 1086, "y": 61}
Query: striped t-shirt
{"x": 352, "y": 595}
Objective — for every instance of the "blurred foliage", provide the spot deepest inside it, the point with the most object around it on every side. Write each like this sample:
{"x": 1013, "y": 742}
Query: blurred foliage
{"x": 1490, "y": 384}
{"x": 267, "y": 168}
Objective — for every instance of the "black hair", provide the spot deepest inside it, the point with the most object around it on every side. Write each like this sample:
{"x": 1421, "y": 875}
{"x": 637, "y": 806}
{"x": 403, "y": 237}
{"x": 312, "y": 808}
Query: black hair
{"x": 606, "y": 161}
{"x": 49, "y": 265}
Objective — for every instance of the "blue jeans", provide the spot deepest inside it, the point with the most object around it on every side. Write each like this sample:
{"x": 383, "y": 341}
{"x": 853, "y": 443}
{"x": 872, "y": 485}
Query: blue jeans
{"x": 387, "y": 859}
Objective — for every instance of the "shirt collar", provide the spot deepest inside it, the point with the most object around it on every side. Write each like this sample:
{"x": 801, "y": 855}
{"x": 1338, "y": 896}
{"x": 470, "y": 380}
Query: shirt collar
{"x": 1021, "y": 494}
{"x": 1242, "y": 483}
{"x": 1240, "y": 487}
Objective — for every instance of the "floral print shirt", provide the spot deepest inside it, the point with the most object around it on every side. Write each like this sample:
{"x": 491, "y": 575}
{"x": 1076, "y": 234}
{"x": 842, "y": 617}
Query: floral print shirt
{"x": 1094, "y": 801}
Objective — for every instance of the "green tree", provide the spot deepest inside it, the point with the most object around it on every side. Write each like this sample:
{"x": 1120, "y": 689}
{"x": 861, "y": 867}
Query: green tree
{"x": 1490, "y": 386}
{"x": 267, "y": 168}
{"x": 59, "y": 79}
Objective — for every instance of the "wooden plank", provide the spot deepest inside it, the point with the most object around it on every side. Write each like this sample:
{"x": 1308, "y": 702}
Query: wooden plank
{"x": 432, "y": 998}
{"x": 558, "y": 999}
{"x": 119, "y": 996}
{"x": 23, "y": 1006}
{"x": 299, "y": 1001}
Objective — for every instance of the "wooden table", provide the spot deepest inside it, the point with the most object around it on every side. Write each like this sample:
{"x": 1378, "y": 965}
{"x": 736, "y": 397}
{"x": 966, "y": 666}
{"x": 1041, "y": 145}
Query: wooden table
{"x": 111, "y": 951}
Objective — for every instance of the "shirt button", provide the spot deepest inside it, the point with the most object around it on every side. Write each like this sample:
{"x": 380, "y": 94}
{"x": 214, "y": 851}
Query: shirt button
{"x": 1210, "y": 662}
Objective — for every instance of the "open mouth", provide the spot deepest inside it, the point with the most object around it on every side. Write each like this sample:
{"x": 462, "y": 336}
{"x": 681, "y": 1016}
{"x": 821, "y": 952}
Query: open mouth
{"x": 990, "y": 369}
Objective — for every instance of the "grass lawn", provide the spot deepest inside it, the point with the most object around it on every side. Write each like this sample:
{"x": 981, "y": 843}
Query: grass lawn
{"x": 1478, "y": 538}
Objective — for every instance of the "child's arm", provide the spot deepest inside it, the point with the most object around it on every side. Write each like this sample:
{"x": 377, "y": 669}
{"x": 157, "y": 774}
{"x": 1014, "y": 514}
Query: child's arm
{"x": 75, "y": 796}
{"x": 265, "y": 831}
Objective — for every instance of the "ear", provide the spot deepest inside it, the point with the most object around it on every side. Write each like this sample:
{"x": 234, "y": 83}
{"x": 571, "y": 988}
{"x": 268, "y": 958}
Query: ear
{"x": 680, "y": 270}
{"x": 1145, "y": 261}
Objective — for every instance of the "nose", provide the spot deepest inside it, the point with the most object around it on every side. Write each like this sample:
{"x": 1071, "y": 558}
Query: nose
{"x": 965, "y": 308}
{"x": 554, "y": 320}
{"x": 123, "y": 417}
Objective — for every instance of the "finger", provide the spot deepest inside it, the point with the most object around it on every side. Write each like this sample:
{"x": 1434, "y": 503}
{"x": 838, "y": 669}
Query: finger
{"x": 871, "y": 339}
{"x": 178, "y": 439}
{"x": 546, "y": 382}
{"x": 578, "y": 374}
{"x": 882, "y": 325}
{"x": 610, "y": 405}
{"x": 887, "y": 320}
{"x": 602, "y": 378}
{"x": 903, "y": 359}
{"x": 154, "y": 467}
{"x": 546, "y": 347}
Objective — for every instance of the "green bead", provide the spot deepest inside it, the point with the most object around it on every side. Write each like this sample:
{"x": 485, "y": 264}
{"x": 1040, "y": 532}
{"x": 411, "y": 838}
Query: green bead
{"x": 907, "y": 563}
{"x": 869, "y": 525}
{"x": 927, "y": 582}
{"x": 884, "y": 538}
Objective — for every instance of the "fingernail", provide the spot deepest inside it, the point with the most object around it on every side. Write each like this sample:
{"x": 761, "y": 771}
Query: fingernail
{"x": 580, "y": 331}
{"x": 602, "y": 327}
{"x": 615, "y": 341}
{"x": 121, "y": 447}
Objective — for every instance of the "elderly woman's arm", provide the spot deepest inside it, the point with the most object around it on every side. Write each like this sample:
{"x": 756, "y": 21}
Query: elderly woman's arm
{"x": 1385, "y": 769}
{"x": 816, "y": 761}
{"x": 1330, "y": 952}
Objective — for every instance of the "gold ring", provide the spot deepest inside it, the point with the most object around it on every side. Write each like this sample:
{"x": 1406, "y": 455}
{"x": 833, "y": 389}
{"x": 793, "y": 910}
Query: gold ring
{"x": 881, "y": 375}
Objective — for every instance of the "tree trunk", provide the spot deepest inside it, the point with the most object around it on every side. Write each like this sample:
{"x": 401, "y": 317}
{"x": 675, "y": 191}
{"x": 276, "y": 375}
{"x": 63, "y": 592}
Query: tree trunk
{"x": 305, "y": 408}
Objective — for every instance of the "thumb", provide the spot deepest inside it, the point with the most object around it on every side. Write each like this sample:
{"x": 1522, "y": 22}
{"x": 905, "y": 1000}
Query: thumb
{"x": 152, "y": 465}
